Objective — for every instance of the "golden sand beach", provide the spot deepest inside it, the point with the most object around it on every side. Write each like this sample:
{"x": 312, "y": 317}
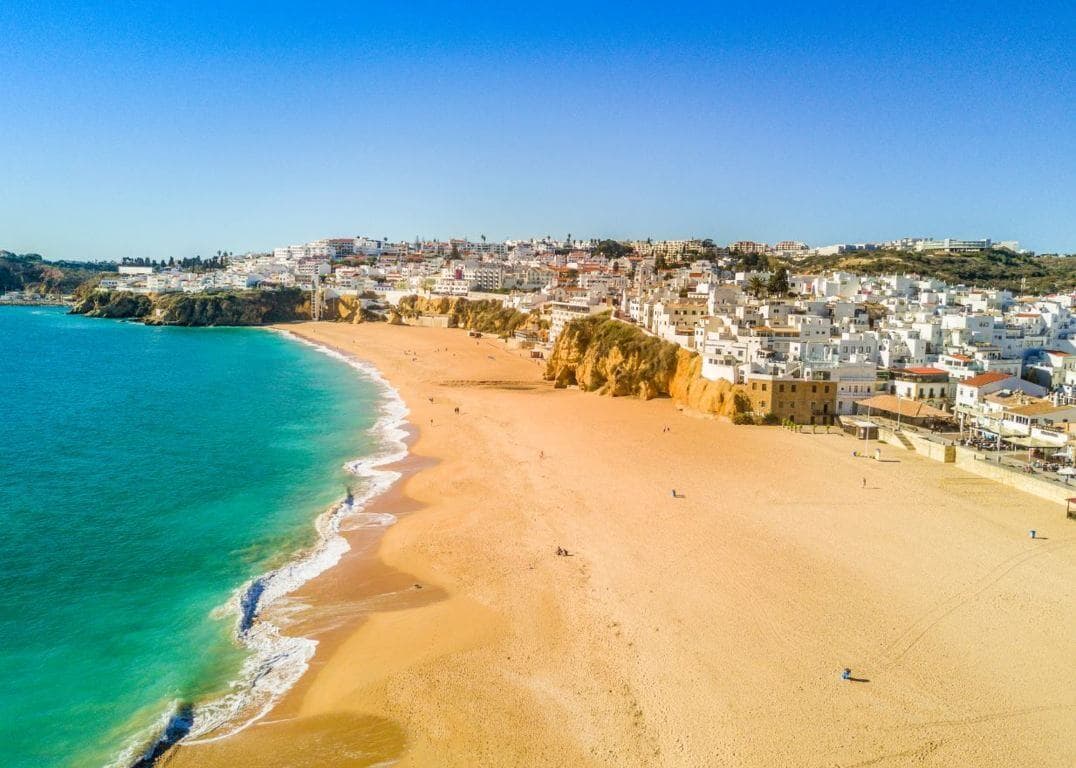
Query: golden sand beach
{"x": 709, "y": 629}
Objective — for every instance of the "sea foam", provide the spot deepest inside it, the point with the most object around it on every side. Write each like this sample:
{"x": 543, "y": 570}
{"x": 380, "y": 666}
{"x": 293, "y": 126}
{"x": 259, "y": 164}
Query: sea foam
{"x": 276, "y": 660}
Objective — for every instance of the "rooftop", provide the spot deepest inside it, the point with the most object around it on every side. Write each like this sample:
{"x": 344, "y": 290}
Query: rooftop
{"x": 1037, "y": 408}
{"x": 909, "y": 409}
{"x": 990, "y": 377}
{"x": 921, "y": 372}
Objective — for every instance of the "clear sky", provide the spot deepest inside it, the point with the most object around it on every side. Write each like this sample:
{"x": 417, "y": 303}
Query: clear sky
{"x": 137, "y": 129}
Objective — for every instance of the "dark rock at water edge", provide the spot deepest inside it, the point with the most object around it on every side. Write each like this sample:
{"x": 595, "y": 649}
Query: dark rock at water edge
{"x": 256, "y": 307}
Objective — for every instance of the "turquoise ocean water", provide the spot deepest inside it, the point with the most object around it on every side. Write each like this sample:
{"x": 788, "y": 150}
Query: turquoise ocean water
{"x": 145, "y": 475}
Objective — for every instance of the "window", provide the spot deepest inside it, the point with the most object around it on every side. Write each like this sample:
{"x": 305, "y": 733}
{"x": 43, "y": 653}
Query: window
{"x": 814, "y": 388}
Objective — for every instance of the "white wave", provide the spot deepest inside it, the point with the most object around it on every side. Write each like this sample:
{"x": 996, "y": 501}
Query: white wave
{"x": 277, "y": 661}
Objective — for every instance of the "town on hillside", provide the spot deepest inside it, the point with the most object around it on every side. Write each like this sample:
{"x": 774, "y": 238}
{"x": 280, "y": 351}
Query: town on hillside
{"x": 995, "y": 366}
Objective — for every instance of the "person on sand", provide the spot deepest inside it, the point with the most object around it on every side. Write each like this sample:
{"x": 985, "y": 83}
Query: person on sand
{"x": 846, "y": 674}
{"x": 864, "y": 482}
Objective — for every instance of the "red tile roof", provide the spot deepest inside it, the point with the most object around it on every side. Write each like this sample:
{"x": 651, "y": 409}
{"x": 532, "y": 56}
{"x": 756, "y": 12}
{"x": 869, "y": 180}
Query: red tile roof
{"x": 923, "y": 371}
{"x": 990, "y": 377}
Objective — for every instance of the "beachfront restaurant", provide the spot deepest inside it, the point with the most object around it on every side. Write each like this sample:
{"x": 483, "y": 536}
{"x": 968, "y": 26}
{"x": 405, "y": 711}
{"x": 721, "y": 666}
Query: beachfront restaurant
{"x": 914, "y": 413}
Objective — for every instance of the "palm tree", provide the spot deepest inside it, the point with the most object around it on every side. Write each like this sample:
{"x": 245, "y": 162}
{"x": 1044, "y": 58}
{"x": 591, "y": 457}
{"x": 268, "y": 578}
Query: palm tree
{"x": 756, "y": 286}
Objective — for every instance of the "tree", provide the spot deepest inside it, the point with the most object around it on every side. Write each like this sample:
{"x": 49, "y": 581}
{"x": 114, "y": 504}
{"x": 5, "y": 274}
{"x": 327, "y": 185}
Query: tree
{"x": 778, "y": 285}
{"x": 611, "y": 249}
{"x": 756, "y": 286}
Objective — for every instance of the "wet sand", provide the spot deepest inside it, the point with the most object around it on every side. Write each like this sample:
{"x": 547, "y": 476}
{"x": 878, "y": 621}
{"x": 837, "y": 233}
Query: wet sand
{"x": 708, "y": 629}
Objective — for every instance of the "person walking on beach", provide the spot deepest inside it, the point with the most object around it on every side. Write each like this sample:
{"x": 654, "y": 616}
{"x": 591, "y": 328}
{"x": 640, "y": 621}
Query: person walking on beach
{"x": 864, "y": 482}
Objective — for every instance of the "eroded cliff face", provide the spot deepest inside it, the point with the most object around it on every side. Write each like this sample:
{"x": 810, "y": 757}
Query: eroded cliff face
{"x": 348, "y": 309}
{"x": 113, "y": 304}
{"x": 221, "y": 308}
{"x": 721, "y": 398}
{"x": 609, "y": 357}
{"x": 485, "y": 315}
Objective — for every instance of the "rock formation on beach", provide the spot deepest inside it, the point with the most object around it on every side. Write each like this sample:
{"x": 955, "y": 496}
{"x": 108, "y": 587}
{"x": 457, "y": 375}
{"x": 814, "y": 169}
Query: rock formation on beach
{"x": 484, "y": 315}
{"x": 603, "y": 355}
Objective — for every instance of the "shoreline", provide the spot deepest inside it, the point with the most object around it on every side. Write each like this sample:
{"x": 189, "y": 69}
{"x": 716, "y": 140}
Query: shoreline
{"x": 277, "y": 660}
{"x": 446, "y": 643}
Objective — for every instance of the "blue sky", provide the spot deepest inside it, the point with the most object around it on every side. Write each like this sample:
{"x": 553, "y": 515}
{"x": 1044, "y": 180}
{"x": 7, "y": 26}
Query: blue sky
{"x": 156, "y": 130}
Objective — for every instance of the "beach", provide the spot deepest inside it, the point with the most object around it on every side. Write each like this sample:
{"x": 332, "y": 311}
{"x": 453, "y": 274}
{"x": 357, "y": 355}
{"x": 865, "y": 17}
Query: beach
{"x": 702, "y": 628}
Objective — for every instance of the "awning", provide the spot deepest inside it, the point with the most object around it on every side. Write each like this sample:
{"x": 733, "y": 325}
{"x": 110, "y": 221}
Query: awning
{"x": 1031, "y": 442}
{"x": 909, "y": 409}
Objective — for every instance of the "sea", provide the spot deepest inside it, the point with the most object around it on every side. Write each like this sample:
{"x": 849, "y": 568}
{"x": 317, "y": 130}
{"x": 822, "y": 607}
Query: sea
{"x": 159, "y": 488}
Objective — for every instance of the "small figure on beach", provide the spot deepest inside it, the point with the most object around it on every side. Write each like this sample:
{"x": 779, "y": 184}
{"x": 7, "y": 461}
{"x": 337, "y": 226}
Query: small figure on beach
{"x": 541, "y": 454}
{"x": 562, "y": 552}
{"x": 1032, "y": 533}
{"x": 864, "y": 482}
{"x": 855, "y": 454}
{"x": 457, "y": 410}
{"x": 675, "y": 495}
{"x": 430, "y": 399}
{"x": 846, "y": 674}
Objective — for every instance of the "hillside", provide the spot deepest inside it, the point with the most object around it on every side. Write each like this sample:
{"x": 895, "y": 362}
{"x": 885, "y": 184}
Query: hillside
{"x": 986, "y": 269}
{"x": 31, "y": 272}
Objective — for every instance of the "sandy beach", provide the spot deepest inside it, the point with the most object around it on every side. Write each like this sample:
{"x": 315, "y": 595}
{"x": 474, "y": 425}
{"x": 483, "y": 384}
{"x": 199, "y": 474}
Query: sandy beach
{"x": 706, "y": 629}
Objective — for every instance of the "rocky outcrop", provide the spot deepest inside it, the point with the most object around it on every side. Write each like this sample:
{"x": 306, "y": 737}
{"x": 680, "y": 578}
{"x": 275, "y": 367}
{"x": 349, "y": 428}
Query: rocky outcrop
{"x": 113, "y": 304}
{"x": 599, "y": 354}
{"x": 197, "y": 309}
{"x": 485, "y": 315}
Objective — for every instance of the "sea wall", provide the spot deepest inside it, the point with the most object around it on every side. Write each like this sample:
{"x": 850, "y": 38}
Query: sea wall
{"x": 913, "y": 442}
{"x": 977, "y": 464}
{"x": 609, "y": 357}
